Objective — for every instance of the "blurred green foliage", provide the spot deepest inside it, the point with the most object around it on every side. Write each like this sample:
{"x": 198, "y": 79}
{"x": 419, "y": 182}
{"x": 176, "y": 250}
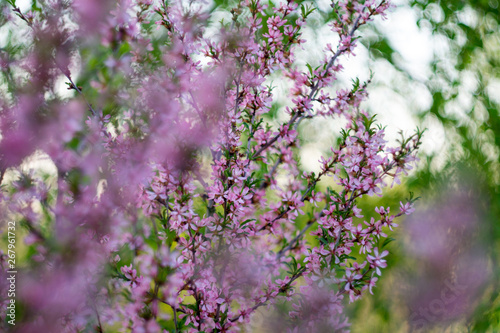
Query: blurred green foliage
{"x": 470, "y": 31}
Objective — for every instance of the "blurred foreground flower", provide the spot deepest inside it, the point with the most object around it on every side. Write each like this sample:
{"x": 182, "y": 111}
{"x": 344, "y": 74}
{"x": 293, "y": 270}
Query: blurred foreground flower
{"x": 450, "y": 260}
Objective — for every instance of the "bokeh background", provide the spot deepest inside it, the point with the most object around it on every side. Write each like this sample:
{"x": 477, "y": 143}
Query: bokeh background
{"x": 436, "y": 65}
{"x": 437, "y": 62}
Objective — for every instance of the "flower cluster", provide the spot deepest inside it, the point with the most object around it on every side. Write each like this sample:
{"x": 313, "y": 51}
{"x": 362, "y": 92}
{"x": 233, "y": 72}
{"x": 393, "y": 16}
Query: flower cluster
{"x": 176, "y": 201}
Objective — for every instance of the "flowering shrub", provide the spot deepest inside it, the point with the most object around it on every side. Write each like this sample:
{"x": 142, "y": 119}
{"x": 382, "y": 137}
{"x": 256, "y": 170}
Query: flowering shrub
{"x": 164, "y": 210}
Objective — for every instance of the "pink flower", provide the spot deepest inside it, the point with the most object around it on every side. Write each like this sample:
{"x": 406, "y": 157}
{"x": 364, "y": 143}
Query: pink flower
{"x": 349, "y": 279}
{"x": 131, "y": 275}
{"x": 376, "y": 260}
{"x": 406, "y": 208}
{"x": 372, "y": 283}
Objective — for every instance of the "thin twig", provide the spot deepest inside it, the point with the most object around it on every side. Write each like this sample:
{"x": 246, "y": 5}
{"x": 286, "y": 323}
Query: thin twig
{"x": 74, "y": 86}
{"x": 175, "y": 319}
{"x": 291, "y": 245}
{"x": 282, "y": 289}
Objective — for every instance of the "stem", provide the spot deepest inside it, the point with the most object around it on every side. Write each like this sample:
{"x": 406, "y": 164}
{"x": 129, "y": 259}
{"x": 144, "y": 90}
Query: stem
{"x": 74, "y": 86}
{"x": 282, "y": 289}
{"x": 99, "y": 325}
{"x": 308, "y": 190}
{"x": 314, "y": 90}
{"x": 275, "y": 138}
{"x": 175, "y": 318}
{"x": 302, "y": 232}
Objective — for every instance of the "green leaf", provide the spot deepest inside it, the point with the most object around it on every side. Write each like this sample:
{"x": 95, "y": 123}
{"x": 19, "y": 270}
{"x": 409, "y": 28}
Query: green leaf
{"x": 387, "y": 241}
{"x": 310, "y": 69}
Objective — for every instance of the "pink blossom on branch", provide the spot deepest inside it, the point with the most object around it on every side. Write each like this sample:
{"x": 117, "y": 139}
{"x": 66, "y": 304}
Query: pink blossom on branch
{"x": 166, "y": 201}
